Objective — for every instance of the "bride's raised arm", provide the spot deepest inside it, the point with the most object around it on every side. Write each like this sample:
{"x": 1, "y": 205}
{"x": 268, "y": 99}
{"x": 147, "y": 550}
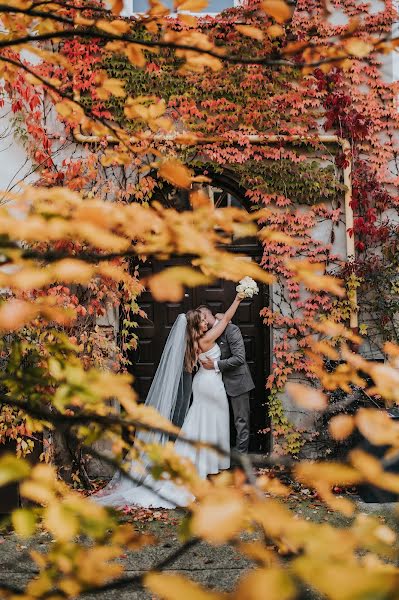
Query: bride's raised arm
{"x": 213, "y": 334}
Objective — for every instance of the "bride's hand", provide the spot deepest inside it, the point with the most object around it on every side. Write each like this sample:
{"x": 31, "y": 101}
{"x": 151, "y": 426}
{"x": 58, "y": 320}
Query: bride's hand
{"x": 240, "y": 297}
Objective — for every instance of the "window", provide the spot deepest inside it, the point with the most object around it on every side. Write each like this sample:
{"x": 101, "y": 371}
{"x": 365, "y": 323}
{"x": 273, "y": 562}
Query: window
{"x": 214, "y": 6}
{"x": 222, "y": 199}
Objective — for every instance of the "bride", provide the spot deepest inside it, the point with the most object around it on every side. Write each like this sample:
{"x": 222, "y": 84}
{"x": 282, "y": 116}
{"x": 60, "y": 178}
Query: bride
{"x": 207, "y": 420}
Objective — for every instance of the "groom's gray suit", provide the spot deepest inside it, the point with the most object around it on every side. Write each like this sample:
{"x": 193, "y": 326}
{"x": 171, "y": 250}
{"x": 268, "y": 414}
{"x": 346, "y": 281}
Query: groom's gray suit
{"x": 237, "y": 380}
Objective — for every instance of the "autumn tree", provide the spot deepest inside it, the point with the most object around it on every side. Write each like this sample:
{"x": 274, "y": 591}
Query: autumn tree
{"x": 166, "y": 101}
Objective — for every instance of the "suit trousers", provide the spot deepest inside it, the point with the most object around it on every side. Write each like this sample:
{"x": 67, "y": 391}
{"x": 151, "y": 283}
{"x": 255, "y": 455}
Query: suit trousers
{"x": 240, "y": 406}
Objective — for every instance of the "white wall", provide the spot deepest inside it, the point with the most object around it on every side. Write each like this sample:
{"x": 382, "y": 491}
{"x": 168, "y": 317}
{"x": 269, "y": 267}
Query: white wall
{"x": 15, "y": 166}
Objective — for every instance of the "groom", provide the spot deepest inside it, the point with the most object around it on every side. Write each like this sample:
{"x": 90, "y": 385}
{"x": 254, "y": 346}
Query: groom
{"x": 236, "y": 375}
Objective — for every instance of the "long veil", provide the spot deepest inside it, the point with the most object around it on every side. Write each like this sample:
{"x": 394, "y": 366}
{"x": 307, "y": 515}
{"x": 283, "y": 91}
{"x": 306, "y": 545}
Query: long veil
{"x": 169, "y": 394}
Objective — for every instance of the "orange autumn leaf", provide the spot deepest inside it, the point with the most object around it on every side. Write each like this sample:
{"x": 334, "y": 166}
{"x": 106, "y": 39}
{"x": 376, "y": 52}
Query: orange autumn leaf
{"x": 329, "y": 473}
{"x": 116, "y": 6}
{"x": 15, "y": 313}
{"x": 175, "y": 172}
{"x": 391, "y": 349}
{"x": 219, "y": 516}
{"x": 272, "y": 486}
{"x": 378, "y": 427}
{"x": 116, "y": 27}
{"x": 258, "y": 552}
{"x": 135, "y": 55}
{"x": 111, "y": 86}
{"x": 250, "y": 31}
{"x": 170, "y": 283}
{"x": 276, "y": 581}
{"x": 169, "y": 586}
{"x": 346, "y": 579}
{"x": 275, "y": 31}
{"x": 307, "y": 397}
{"x": 200, "y": 199}
{"x": 191, "y": 5}
{"x": 278, "y": 9}
{"x": 74, "y": 271}
{"x": 80, "y": 20}
{"x": 357, "y": 47}
{"x": 341, "y": 426}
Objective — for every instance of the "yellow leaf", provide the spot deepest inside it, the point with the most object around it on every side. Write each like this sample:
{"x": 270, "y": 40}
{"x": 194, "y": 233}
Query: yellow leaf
{"x": 70, "y": 586}
{"x": 135, "y": 55}
{"x": 191, "y": 5}
{"x": 341, "y": 426}
{"x": 170, "y": 283}
{"x": 312, "y": 276}
{"x": 336, "y": 330}
{"x": 250, "y": 31}
{"x": 386, "y": 380}
{"x": 357, "y": 47}
{"x": 271, "y": 235}
{"x": 175, "y": 172}
{"x": 219, "y": 516}
{"x": 12, "y": 469}
{"x": 74, "y": 271}
{"x": 275, "y": 31}
{"x": 324, "y": 347}
{"x": 69, "y": 109}
{"x": 174, "y": 587}
{"x": 38, "y": 586}
{"x": 328, "y": 472}
{"x": 24, "y": 522}
{"x": 391, "y": 349}
{"x": 116, "y": 27}
{"x": 61, "y": 522}
{"x": 111, "y": 86}
{"x": 345, "y": 580}
{"x": 113, "y": 157}
{"x": 307, "y": 397}
{"x": 273, "y": 584}
{"x": 80, "y": 20}
{"x": 278, "y": 9}
{"x": 37, "y": 492}
{"x": 96, "y": 566}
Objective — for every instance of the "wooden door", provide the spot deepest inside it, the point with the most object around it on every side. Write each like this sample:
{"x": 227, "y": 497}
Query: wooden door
{"x": 218, "y": 296}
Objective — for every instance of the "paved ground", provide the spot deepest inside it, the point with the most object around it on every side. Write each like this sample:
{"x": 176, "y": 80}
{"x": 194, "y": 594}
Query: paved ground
{"x": 217, "y": 568}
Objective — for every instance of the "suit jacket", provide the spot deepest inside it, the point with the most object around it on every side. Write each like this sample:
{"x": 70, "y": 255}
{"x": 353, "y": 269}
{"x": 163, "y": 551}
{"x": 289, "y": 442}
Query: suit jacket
{"x": 232, "y": 364}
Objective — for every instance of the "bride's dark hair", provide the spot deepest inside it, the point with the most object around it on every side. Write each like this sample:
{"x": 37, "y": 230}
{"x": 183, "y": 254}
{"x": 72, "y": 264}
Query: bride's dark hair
{"x": 194, "y": 318}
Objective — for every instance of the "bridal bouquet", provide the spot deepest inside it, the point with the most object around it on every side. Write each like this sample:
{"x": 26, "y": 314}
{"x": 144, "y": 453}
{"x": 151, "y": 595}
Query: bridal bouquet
{"x": 247, "y": 288}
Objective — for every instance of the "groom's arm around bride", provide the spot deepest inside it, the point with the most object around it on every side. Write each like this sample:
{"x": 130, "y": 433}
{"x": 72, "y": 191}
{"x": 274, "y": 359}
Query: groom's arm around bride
{"x": 237, "y": 381}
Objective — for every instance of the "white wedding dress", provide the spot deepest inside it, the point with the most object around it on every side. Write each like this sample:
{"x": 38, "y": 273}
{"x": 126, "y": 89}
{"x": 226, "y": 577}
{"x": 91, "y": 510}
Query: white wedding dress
{"x": 207, "y": 421}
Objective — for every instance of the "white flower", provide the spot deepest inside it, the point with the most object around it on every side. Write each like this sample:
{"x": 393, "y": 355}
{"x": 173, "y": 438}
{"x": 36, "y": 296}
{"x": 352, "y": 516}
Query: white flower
{"x": 247, "y": 287}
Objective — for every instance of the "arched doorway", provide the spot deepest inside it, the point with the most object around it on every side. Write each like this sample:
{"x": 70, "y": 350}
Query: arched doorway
{"x": 153, "y": 331}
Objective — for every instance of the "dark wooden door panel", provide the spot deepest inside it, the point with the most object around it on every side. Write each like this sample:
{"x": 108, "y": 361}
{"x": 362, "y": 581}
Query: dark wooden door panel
{"x": 154, "y": 331}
